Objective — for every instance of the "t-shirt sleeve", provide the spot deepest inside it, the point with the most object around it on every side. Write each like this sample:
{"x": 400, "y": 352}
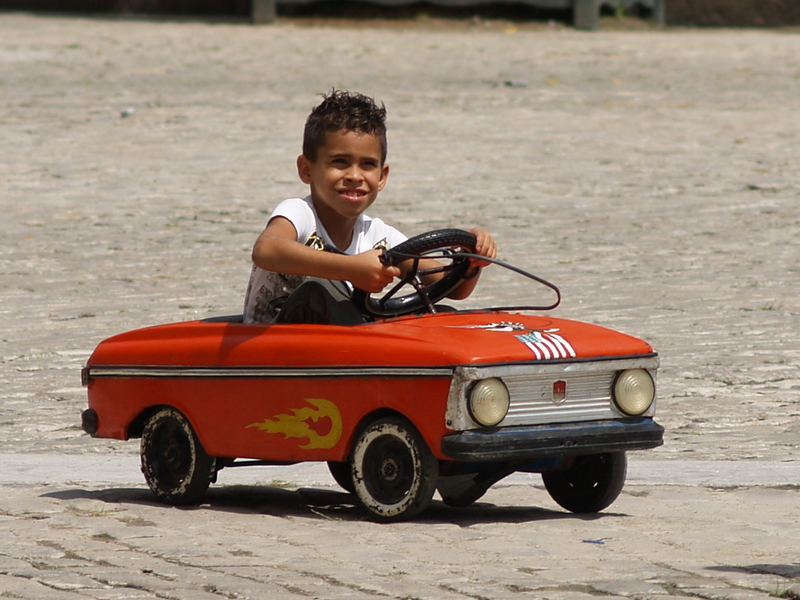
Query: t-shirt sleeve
{"x": 297, "y": 211}
{"x": 382, "y": 235}
{"x": 395, "y": 236}
{"x": 374, "y": 234}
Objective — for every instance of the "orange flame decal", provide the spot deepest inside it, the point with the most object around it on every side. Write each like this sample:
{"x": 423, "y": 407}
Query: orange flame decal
{"x": 321, "y": 425}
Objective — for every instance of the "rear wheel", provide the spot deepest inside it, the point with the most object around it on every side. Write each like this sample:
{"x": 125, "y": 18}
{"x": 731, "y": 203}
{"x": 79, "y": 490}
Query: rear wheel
{"x": 591, "y": 484}
{"x": 175, "y": 465}
{"x": 394, "y": 471}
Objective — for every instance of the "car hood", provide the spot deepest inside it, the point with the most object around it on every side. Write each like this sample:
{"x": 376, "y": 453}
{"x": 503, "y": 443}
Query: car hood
{"x": 445, "y": 339}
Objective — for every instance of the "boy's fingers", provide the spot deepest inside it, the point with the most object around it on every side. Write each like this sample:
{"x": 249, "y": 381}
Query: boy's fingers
{"x": 485, "y": 245}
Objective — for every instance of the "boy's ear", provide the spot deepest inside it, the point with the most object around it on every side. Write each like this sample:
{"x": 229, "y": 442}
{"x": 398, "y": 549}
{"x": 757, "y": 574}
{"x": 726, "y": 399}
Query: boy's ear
{"x": 304, "y": 169}
{"x": 384, "y": 177}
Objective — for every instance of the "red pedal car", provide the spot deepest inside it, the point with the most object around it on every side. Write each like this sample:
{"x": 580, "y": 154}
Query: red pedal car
{"x": 398, "y": 407}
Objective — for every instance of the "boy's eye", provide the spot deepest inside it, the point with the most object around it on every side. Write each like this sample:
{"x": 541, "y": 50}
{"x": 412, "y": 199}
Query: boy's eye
{"x": 342, "y": 162}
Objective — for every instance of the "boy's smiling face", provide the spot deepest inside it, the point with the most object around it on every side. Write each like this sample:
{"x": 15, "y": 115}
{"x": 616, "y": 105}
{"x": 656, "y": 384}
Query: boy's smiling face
{"x": 346, "y": 176}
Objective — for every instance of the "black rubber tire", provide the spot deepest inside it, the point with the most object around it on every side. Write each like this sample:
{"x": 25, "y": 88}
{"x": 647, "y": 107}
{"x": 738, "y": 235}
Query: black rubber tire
{"x": 394, "y": 471}
{"x": 591, "y": 484}
{"x": 175, "y": 465}
{"x": 419, "y": 246}
{"x": 342, "y": 472}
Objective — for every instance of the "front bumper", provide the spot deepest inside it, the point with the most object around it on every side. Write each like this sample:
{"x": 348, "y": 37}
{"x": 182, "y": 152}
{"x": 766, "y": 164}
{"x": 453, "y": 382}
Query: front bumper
{"x": 525, "y": 443}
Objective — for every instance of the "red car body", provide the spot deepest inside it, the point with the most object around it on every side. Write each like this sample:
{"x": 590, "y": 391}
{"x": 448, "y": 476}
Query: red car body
{"x": 291, "y": 393}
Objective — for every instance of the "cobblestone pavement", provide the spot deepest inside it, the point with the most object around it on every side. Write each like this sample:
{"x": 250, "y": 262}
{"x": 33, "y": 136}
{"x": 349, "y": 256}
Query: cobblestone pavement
{"x": 653, "y": 175}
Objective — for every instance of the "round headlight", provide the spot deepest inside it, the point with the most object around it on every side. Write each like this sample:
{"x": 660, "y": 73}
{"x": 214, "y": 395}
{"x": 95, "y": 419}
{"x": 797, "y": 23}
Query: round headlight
{"x": 634, "y": 391}
{"x": 488, "y": 402}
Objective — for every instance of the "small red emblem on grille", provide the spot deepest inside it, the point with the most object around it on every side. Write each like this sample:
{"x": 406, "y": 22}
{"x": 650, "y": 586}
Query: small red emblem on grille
{"x": 559, "y": 391}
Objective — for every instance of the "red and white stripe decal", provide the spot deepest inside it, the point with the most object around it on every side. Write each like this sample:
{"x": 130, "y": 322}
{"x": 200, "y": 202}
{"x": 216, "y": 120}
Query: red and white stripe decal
{"x": 547, "y": 345}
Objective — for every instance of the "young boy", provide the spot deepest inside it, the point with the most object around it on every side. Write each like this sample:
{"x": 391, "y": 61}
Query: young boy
{"x": 344, "y": 164}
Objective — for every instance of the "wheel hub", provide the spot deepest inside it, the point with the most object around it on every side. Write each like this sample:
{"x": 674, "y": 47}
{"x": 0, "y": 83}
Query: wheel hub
{"x": 172, "y": 453}
{"x": 390, "y": 469}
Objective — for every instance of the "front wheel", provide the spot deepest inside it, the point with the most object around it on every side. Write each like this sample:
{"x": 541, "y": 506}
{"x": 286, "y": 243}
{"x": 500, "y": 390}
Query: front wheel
{"x": 591, "y": 484}
{"x": 394, "y": 471}
{"x": 175, "y": 465}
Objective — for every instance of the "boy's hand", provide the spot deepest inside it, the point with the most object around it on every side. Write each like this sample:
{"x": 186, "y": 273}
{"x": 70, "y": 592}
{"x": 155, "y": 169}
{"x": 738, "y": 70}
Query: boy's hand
{"x": 485, "y": 246}
{"x": 369, "y": 273}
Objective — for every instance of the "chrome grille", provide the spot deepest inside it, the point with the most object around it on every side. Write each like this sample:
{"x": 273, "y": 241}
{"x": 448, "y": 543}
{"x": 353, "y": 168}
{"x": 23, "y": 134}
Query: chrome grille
{"x": 588, "y": 397}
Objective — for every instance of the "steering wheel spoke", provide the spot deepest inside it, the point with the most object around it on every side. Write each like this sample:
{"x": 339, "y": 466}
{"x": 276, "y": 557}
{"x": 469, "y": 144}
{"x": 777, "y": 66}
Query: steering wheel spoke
{"x": 442, "y": 269}
{"x": 391, "y": 293}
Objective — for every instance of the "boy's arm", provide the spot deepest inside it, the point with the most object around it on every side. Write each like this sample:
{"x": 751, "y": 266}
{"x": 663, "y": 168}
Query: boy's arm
{"x": 277, "y": 249}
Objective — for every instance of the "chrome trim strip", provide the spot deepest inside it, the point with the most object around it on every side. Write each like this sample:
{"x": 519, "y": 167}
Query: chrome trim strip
{"x": 557, "y": 368}
{"x": 263, "y": 372}
{"x": 557, "y": 363}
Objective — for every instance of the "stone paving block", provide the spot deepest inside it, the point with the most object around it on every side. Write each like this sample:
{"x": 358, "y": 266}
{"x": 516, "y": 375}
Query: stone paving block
{"x": 64, "y": 580}
{"x": 731, "y": 593}
{"x": 17, "y": 586}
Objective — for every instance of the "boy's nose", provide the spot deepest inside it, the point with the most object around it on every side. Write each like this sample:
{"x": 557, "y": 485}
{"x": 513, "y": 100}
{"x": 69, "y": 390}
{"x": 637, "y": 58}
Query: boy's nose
{"x": 353, "y": 174}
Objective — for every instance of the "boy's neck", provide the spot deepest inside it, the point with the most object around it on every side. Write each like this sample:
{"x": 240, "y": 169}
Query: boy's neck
{"x": 340, "y": 229}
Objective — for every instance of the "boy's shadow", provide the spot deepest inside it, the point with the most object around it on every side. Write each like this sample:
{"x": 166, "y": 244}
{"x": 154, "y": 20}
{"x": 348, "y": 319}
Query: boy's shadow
{"x": 322, "y": 503}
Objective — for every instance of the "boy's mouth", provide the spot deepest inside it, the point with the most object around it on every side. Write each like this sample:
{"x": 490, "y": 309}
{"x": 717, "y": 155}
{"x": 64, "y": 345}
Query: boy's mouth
{"x": 353, "y": 195}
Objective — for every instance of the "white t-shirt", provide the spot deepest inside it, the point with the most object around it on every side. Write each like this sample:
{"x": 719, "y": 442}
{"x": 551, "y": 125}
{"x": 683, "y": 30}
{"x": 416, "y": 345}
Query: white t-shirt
{"x": 268, "y": 289}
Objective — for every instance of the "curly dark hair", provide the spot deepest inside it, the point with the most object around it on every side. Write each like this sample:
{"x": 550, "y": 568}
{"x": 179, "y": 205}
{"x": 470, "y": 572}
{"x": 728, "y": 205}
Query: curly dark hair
{"x": 341, "y": 110}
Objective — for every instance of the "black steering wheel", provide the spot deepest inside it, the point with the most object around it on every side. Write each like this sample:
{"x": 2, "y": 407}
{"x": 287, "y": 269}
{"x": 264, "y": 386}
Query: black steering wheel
{"x": 442, "y": 245}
